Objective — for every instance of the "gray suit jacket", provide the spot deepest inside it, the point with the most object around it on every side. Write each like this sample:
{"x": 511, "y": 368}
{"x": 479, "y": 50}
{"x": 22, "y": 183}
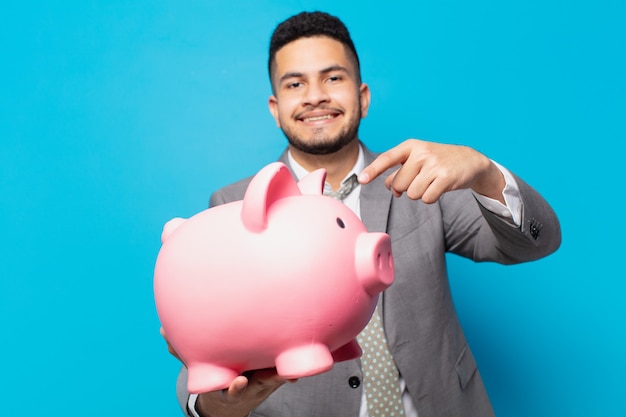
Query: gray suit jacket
{"x": 420, "y": 321}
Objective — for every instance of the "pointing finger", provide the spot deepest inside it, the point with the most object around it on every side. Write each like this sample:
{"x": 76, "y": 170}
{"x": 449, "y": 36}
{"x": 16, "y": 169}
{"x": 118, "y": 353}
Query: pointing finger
{"x": 384, "y": 161}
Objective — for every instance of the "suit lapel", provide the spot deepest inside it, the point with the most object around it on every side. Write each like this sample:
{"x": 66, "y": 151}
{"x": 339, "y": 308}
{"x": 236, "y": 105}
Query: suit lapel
{"x": 375, "y": 200}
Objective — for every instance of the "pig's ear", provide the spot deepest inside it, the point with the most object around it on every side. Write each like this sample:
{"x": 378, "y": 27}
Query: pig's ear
{"x": 169, "y": 228}
{"x": 269, "y": 185}
{"x": 313, "y": 183}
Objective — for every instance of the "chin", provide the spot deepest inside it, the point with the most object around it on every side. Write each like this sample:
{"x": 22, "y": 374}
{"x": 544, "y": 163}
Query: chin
{"x": 319, "y": 148}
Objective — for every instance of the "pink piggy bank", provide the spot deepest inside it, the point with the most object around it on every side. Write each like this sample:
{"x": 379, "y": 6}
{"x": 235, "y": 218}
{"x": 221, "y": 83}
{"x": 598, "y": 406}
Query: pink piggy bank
{"x": 285, "y": 278}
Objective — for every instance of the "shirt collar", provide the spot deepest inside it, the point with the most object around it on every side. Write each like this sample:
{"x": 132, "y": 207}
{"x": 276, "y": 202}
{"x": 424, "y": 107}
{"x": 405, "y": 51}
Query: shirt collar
{"x": 300, "y": 172}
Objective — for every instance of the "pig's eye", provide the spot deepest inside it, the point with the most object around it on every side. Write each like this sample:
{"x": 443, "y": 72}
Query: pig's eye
{"x": 341, "y": 223}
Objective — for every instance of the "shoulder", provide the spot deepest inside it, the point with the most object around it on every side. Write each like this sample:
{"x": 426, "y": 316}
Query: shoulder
{"x": 230, "y": 193}
{"x": 236, "y": 190}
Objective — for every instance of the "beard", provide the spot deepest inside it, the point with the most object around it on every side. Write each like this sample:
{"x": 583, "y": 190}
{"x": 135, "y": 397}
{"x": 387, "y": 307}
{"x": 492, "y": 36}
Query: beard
{"x": 323, "y": 144}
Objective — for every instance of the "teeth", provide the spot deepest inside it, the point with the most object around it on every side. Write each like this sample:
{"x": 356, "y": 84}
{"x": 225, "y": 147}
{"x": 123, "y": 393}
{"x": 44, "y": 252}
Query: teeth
{"x": 316, "y": 118}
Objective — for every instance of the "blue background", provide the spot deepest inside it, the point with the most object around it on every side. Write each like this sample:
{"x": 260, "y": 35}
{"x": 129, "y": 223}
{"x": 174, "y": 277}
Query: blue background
{"x": 116, "y": 116}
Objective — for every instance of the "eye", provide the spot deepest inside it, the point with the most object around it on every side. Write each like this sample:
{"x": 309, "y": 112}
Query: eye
{"x": 294, "y": 84}
{"x": 341, "y": 223}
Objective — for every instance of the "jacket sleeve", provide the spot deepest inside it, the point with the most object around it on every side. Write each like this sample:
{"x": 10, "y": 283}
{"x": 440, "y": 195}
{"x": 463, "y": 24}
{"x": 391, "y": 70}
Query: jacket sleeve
{"x": 181, "y": 390}
{"x": 474, "y": 232}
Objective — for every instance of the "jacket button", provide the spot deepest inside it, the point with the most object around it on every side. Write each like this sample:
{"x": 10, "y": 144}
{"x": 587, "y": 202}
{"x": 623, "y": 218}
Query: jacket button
{"x": 354, "y": 382}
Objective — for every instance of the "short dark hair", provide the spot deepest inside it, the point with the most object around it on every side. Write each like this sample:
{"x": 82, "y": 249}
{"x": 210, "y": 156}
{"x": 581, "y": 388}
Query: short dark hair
{"x": 307, "y": 25}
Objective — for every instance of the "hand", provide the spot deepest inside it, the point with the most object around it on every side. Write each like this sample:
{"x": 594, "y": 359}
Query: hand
{"x": 428, "y": 169}
{"x": 245, "y": 393}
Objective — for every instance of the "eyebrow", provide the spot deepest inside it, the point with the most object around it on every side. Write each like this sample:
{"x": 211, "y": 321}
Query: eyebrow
{"x": 326, "y": 70}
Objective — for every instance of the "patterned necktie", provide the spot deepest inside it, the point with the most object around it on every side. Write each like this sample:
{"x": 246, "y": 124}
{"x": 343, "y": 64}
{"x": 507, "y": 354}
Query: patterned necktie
{"x": 380, "y": 374}
{"x": 347, "y": 187}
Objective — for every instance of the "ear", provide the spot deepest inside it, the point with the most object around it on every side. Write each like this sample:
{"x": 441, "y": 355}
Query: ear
{"x": 365, "y": 95}
{"x": 269, "y": 185}
{"x": 170, "y": 226}
{"x": 273, "y": 105}
{"x": 313, "y": 183}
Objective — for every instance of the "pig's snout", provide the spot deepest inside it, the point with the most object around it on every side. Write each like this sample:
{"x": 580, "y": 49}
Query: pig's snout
{"x": 374, "y": 262}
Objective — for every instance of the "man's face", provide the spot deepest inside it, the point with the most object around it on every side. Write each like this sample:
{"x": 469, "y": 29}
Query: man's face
{"x": 318, "y": 101}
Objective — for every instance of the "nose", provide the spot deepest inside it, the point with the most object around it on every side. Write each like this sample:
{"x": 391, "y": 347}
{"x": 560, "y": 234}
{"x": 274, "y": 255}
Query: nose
{"x": 374, "y": 262}
{"x": 315, "y": 94}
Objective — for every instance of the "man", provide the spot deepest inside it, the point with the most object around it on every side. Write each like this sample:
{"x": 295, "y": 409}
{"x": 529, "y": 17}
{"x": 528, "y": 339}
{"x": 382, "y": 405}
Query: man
{"x": 447, "y": 199}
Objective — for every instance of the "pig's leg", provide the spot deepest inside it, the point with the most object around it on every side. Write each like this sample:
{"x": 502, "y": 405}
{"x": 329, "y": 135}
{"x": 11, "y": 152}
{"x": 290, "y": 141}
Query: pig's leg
{"x": 204, "y": 377}
{"x": 350, "y": 350}
{"x": 304, "y": 360}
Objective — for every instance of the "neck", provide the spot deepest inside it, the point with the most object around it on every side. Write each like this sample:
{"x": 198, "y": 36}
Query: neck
{"x": 337, "y": 165}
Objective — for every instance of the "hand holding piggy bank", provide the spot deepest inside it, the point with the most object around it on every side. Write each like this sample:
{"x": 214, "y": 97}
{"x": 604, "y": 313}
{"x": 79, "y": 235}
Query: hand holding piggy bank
{"x": 286, "y": 278}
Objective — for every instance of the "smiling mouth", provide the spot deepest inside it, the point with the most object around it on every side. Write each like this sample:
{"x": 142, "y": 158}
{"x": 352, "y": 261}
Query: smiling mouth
{"x": 318, "y": 118}
{"x": 318, "y": 115}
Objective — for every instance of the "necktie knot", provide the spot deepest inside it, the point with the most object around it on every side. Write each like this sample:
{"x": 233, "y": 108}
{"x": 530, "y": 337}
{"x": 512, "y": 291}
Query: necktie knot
{"x": 347, "y": 186}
